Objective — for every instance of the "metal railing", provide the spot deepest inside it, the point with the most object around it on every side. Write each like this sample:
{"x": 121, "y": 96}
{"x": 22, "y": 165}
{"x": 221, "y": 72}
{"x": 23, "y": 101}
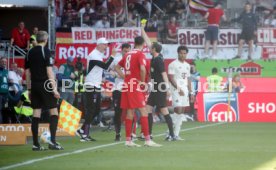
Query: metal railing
{"x": 11, "y": 50}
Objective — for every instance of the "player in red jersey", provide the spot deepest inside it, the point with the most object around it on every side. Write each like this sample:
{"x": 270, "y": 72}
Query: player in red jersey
{"x": 133, "y": 97}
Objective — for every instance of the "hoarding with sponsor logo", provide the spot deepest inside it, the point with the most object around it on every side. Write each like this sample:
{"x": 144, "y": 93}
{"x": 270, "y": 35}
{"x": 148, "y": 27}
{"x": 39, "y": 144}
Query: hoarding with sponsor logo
{"x": 258, "y": 68}
{"x": 216, "y": 107}
{"x": 244, "y": 107}
{"x": 16, "y": 134}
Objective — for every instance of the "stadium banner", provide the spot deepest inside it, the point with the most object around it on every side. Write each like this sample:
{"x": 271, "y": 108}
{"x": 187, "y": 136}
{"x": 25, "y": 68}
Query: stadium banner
{"x": 266, "y": 36}
{"x": 16, "y": 134}
{"x": 195, "y": 38}
{"x": 220, "y": 107}
{"x": 90, "y": 35}
{"x": 258, "y": 68}
{"x": 244, "y": 107}
{"x": 63, "y": 51}
{"x": 269, "y": 52}
{"x": 257, "y": 107}
{"x": 66, "y": 37}
{"x": 170, "y": 51}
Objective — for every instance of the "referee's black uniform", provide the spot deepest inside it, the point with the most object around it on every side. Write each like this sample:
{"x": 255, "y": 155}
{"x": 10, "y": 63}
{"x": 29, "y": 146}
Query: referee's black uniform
{"x": 38, "y": 59}
{"x": 38, "y": 65}
{"x": 158, "y": 95}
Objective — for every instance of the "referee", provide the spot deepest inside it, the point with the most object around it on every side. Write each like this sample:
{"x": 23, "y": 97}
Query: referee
{"x": 42, "y": 89}
{"x": 160, "y": 91}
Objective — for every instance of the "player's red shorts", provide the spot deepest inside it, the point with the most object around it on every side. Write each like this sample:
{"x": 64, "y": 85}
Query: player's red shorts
{"x": 133, "y": 99}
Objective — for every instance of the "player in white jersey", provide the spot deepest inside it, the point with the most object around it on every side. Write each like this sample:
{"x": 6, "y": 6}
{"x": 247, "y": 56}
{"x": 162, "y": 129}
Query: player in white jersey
{"x": 179, "y": 77}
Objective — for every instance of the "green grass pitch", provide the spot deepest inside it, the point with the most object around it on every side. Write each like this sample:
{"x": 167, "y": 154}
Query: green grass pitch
{"x": 227, "y": 146}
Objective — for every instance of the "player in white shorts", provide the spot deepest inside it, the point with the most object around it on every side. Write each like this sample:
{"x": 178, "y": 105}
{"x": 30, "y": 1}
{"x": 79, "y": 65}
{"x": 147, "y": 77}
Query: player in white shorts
{"x": 179, "y": 77}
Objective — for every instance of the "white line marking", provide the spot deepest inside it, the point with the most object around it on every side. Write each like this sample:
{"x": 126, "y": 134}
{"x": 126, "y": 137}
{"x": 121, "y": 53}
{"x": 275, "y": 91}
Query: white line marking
{"x": 93, "y": 148}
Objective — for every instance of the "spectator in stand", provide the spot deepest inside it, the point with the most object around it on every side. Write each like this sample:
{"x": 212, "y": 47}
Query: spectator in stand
{"x": 152, "y": 24}
{"x": 15, "y": 88}
{"x": 21, "y": 36}
{"x": 20, "y": 73}
{"x": 172, "y": 31}
{"x": 131, "y": 20}
{"x": 101, "y": 6}
{"x": 4, "y": 88}
{"x": 214, "y": 81}
{"x": 69, "y": 15}
{"x": 270, "y": 22}
{"x": 249, "y": 30}
{"x": 33, "y": 41}
{"x": 213, "y": 15}
{"x": 171, "y": 8}
{"x": 180, "y": 9}
{"x": 74, "y": 3}
{"x": 15, "y": 80}
{"x": 103, "y": 23}
{"x": 82, "y": 3}
{"x": 87, "y": 9}
{"x": 147, "y": 6}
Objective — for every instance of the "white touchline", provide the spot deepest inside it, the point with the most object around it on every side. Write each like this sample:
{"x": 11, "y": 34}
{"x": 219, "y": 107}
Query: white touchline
{"x": 93, "y": 148}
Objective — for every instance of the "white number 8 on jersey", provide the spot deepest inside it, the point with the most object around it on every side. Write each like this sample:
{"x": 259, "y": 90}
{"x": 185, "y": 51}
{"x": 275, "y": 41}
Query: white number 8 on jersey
{"x": 128, "y": 62}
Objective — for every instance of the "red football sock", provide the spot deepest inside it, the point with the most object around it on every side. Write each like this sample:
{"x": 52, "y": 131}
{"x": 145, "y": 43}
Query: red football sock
{"x": 128, "y": 125}
{"x": 145, "y": 127}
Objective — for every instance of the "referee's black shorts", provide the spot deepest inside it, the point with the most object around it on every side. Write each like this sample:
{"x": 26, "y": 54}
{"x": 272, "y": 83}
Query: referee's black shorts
{"x": 247, "y": 35}
{"x": 42, "y": 98}
{"x": 158, "y": 99}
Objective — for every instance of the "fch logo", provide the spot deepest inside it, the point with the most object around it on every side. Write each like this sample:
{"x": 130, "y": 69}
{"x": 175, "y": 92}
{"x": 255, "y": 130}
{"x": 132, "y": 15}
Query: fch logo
{"x": 219, "y": 113}
{"x": 216, "y": 107}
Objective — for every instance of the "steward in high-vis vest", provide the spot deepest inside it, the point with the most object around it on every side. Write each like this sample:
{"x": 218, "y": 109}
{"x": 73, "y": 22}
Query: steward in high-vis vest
{"x": 79, "y": 85}
{"x": 33, "y": 41}
{"x": 79, "y": 74}
{"x": 79, "y": 82}
{"x": 24, "y": 105}
{"x": 214, "y": 81}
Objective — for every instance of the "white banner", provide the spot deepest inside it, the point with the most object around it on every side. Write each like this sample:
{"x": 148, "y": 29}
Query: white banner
{"x": 170, "y": 51}
{"x": 195, "y": 38}
{"x": 90, "y": 35}
{"x": 267, "y": 36}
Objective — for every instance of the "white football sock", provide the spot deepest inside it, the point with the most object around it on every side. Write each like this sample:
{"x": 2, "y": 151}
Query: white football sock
{"x": 177, "y": 125}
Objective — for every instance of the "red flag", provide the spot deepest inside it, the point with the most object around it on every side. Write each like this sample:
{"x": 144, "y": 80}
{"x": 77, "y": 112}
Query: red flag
{"x": 200, "y": 6}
